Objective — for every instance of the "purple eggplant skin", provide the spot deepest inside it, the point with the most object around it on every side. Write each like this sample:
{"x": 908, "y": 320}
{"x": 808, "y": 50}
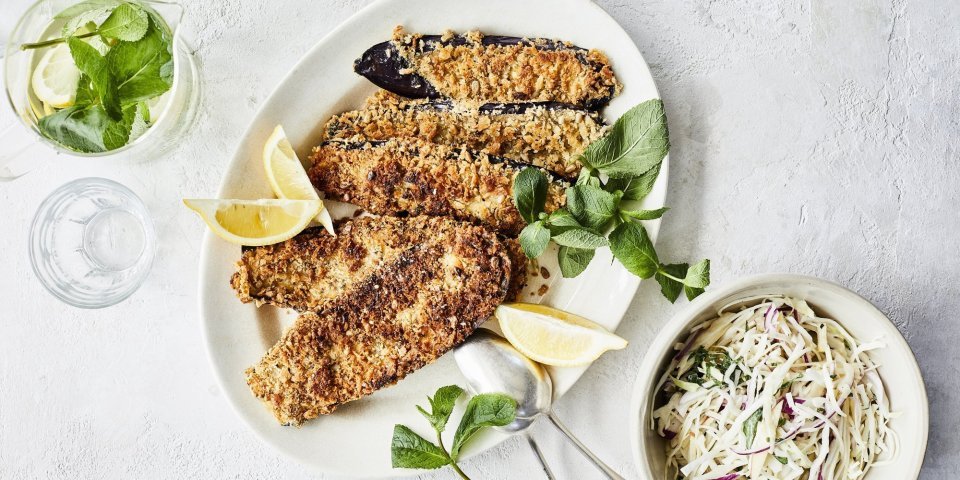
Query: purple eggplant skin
{"x": 494, "y": 159}
{"x": 382, "y": 64}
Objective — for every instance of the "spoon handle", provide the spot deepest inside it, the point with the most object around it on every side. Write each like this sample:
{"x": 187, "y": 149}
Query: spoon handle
{"x": 539, "y": 454}
{"x": 609, "y": 472}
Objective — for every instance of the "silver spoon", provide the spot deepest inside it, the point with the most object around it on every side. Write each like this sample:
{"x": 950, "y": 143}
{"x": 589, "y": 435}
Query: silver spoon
{"x": 491, "y": 364}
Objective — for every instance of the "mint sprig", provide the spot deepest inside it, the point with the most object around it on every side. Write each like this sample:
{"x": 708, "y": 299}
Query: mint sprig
{"x": 629, "y": 156}
{"x": 109, "y": 109}
{"x": 410, "y": 450}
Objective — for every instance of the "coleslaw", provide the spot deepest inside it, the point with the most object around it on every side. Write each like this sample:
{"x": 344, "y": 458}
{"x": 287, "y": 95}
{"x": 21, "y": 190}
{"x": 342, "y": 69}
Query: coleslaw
{"x": 773, "y": 391}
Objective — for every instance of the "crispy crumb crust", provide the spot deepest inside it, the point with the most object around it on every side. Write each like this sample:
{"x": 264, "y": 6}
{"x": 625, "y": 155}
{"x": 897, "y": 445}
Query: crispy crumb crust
{"x": 403, "y": 177}
{"x": 404, "y": 315}
{"x": 550, "y": 138}
{"x": 314, "y": 268}
{"x": 518, "y": 268}
{"x": 467, "y": 70}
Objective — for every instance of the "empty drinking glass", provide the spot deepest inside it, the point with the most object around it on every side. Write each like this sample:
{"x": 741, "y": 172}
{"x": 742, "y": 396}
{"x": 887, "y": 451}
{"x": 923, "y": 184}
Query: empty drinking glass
{"x": 92, "y": 243}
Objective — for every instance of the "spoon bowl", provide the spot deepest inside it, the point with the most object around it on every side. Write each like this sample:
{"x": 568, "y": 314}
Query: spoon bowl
{"x": 492, "y": 365}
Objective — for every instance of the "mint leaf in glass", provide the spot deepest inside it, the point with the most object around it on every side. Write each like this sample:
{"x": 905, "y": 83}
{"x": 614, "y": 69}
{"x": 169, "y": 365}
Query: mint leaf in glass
{"x": 126, "y": 22}
{"x": 117, "y": 132}
{"x": 93, "y": 65}
{"x": 79, "y": 128}
{"x": 139, "y": 68}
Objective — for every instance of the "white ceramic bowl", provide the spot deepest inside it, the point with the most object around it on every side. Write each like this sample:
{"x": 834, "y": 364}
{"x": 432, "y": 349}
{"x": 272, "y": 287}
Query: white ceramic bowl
{"x": 898, "y": 368}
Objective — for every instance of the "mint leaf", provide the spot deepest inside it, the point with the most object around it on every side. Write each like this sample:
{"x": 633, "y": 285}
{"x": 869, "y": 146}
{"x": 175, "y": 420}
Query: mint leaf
{"x": 573, "y": 261}
{"x": 85, "y": 93}
{"x": 409, "y": 450}
{"x": 140, "y": 69}
{"x": 637, "y": 142}
{"x": 93, "y": 65}
{"x": 588, "y": 176}
{"x": 590, "y": 205}
{"x": 86, "y": 6}
{"x": 632, "y": 247}
{"x": 484, "y": 410}
{"x": 88, "y": 128}
{"x": 127, "y": 22}
{"x": 78, "y": 128}
{"x": 560, "y": 220}
{"x": 699, "y": 275}
{"x": 534, "y": 239}
{"x": 141, "y": 121}
{"x": 750, "y": 426}
{"x": 645, "y": 214}
{"x": 84, "y": 23}
{"x": 530, "y": 193}
{"x": 441, "y": 406}
{"x": 117, "y": 133}
{"x": 580, "y": 238}
{"x": 669, "y": 287}
{"x": 697, "y": 279}
{"x": 636, "y": 188}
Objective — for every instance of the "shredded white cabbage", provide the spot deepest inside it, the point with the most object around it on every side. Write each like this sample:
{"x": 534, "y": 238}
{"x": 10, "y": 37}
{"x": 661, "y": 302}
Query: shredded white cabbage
{"x": 773, "y": 392}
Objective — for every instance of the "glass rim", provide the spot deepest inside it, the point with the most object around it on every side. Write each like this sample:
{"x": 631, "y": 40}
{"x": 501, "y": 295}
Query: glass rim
{"x": 32, "y": 127}
{"x": 149, "y": 252}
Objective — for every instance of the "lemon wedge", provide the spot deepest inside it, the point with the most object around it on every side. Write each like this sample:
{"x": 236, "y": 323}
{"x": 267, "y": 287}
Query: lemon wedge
{"x": 554, "y": 337}
{"x": 256, "y": 222}
{"x": 54, "y": 81}
{"x": 287, "y": 175}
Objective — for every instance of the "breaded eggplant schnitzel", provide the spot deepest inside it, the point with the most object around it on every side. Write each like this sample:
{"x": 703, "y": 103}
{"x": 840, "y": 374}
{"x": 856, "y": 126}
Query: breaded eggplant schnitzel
{"x": 475, "y": 69}
{"x": 403, "y": 177}
{"x": 547, "y": 136}
{"x": 404, "y": 314}
{"x": 314, "y": 268}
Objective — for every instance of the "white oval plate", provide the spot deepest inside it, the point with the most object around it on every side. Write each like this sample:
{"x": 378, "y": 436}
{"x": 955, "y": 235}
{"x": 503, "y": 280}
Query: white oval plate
{"x": 897, "y": 366}
{"x": 356, "y": 439}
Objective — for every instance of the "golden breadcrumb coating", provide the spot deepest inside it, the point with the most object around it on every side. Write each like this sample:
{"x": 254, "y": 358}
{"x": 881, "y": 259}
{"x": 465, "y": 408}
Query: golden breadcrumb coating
{"x": 405, "y": 314}
{"x": 314, "y": 268}
{"x": 551, "y": 138}
{"x": 533, "y": 71}
{"x": 403, "y": 177}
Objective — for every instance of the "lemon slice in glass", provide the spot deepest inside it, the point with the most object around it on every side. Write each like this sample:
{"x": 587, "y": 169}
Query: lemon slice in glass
{"x": 256, "y": 222}
{"x": 554, "y": 337}
{"x": 287, "y": 175}
{"x": 54, "y": 81}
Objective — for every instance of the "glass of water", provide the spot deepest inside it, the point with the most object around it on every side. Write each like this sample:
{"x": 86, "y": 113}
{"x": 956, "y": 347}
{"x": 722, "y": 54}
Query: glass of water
{"x": 92, "y": 243}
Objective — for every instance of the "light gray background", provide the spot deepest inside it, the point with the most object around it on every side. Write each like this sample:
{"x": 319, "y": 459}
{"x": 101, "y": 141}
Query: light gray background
{"x": 817, "y": 137}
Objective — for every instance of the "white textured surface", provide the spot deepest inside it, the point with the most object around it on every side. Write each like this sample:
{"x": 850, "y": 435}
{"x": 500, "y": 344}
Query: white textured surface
{"x": 813, "y": 137}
